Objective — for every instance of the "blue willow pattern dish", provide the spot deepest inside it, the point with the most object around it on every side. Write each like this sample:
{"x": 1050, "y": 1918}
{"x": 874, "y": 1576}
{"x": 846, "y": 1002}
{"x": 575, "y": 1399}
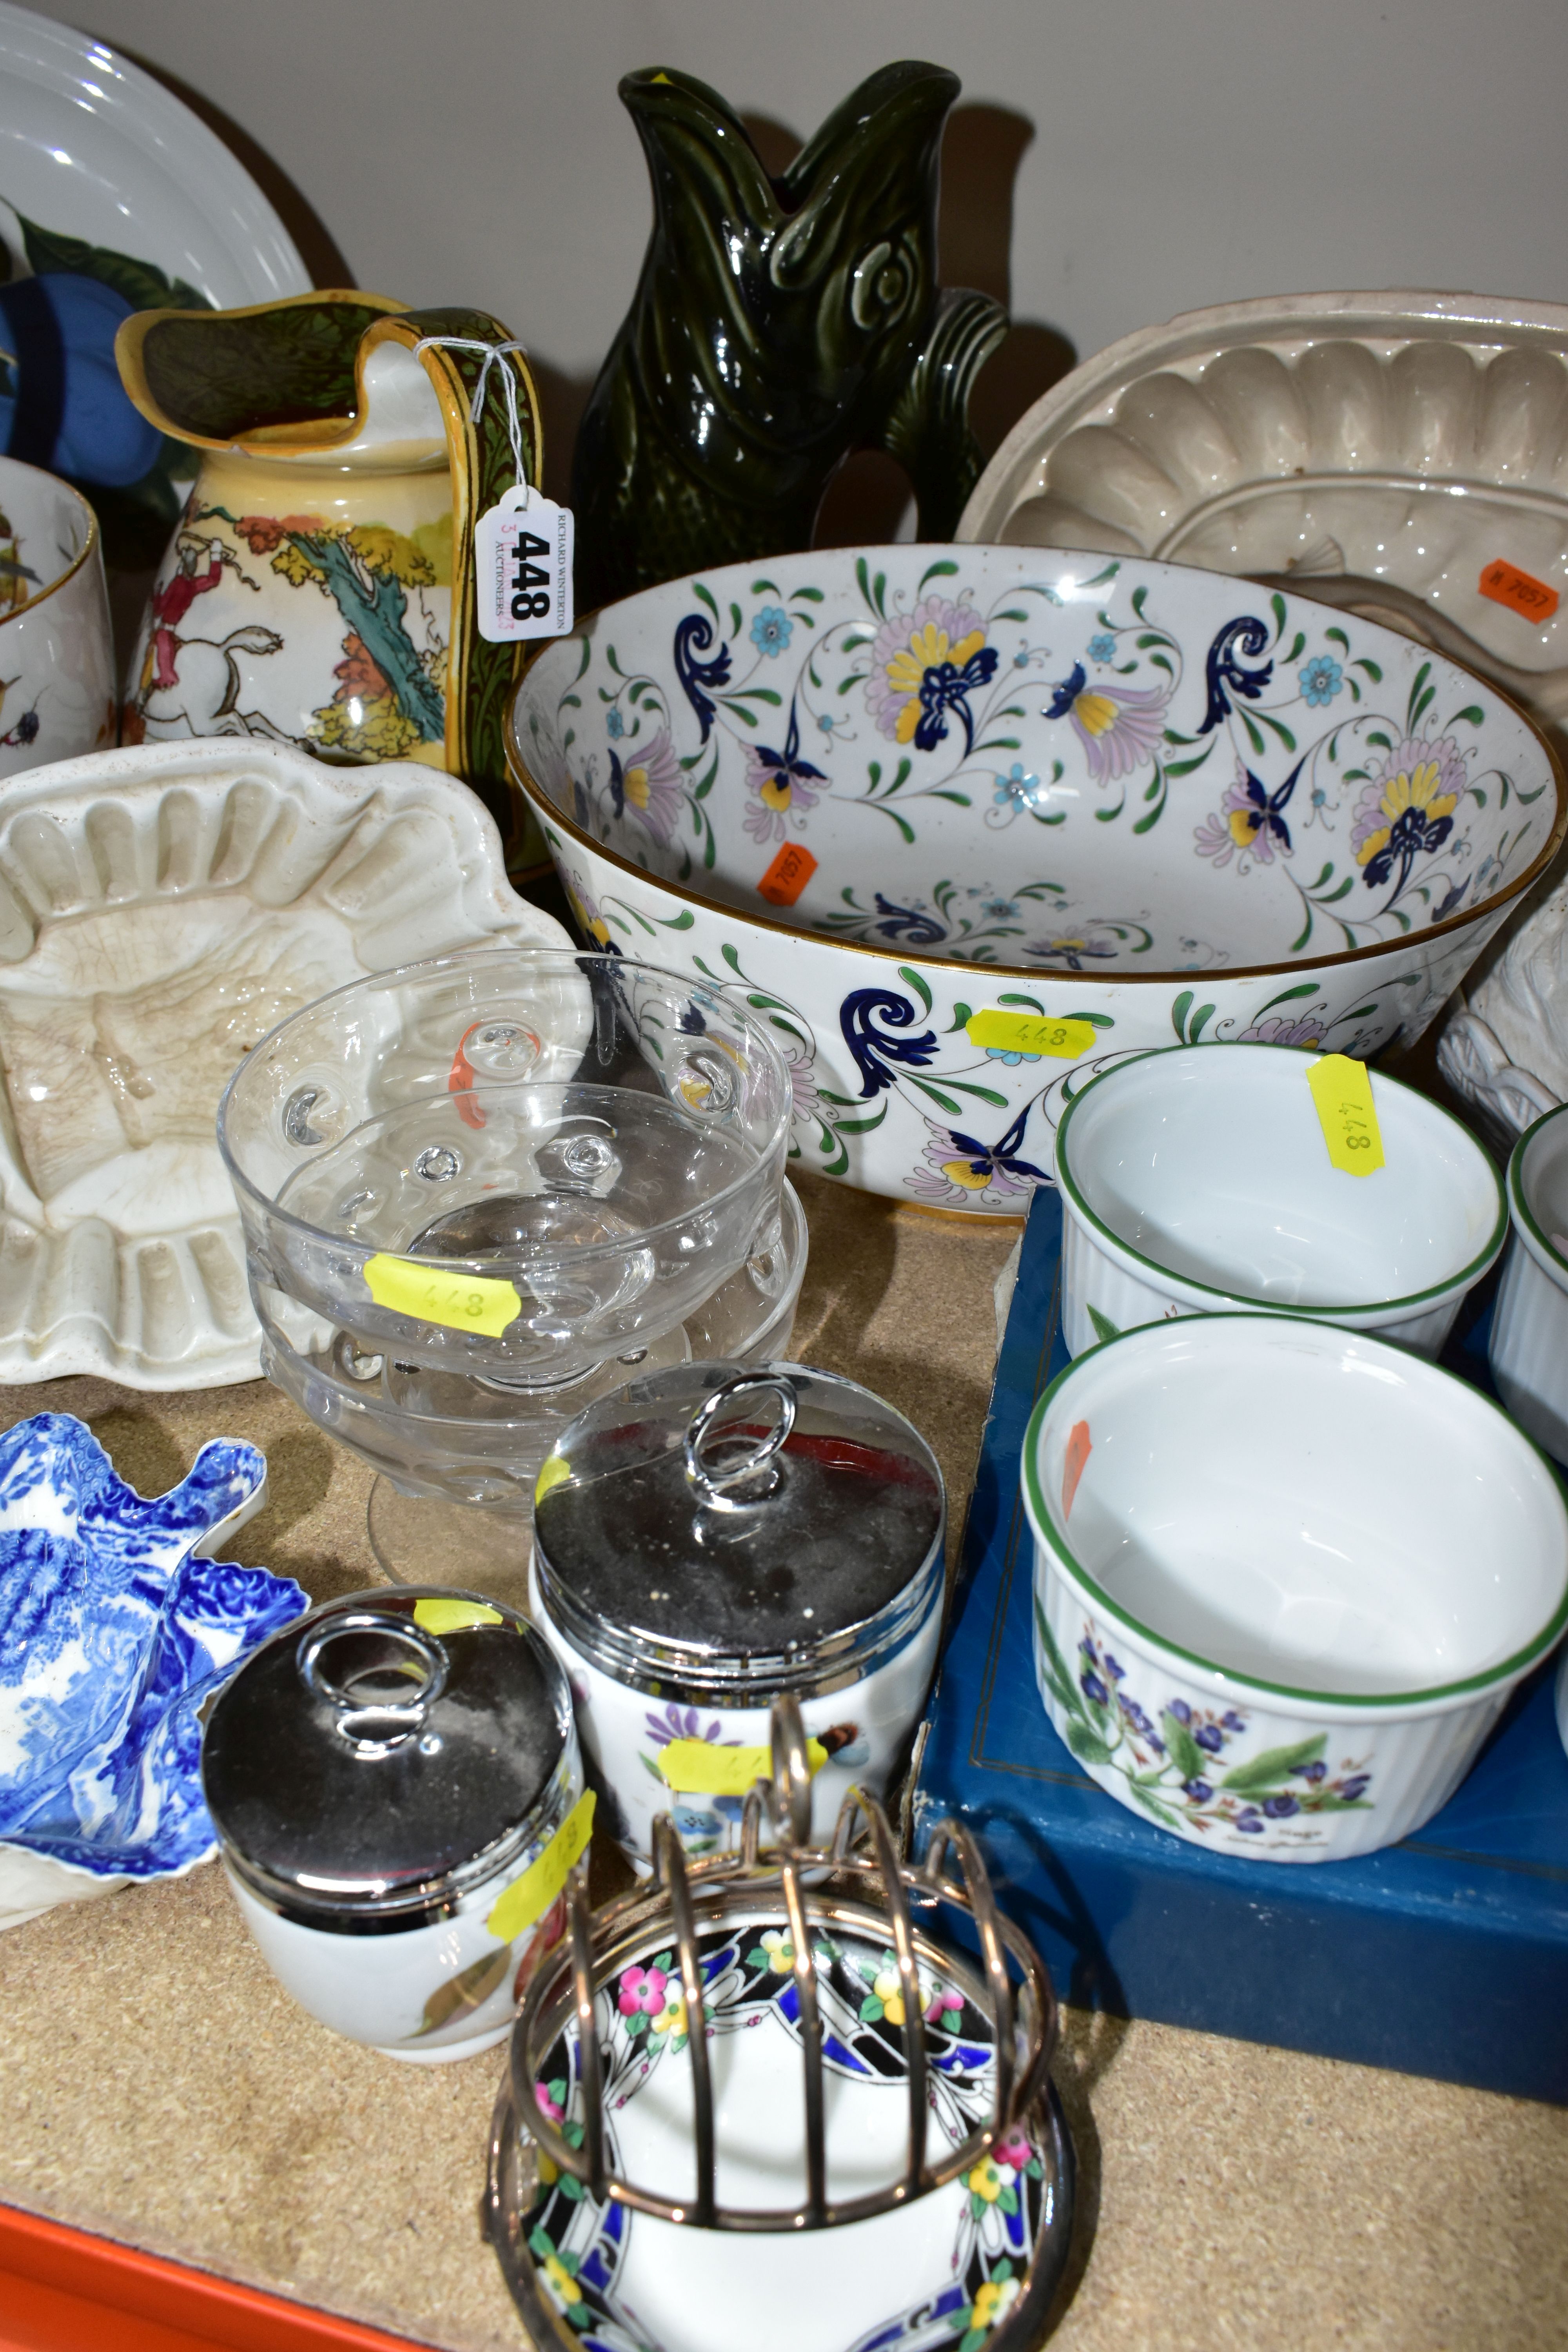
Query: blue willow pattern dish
{"x": 1133, "y": 802}
{"x": 579, "y": 2244}
{"x": 111, "y": 1635}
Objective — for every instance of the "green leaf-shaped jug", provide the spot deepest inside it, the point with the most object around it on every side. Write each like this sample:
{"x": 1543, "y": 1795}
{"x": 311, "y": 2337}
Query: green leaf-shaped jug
{"x": 318, "y": 590}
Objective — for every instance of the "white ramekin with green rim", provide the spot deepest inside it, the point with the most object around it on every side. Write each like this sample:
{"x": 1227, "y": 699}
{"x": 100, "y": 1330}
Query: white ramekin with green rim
{"x": 1286, "y": 1577}
{"x": 1195, "y": 1183}
{"x": 1529, "y": 1344}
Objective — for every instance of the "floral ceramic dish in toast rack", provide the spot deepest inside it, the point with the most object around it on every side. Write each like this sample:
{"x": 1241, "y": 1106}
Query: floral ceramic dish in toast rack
{"x": 941, "y": 2271}
{"x": 116, "y": 1624}
{"x": 969, "y": 825}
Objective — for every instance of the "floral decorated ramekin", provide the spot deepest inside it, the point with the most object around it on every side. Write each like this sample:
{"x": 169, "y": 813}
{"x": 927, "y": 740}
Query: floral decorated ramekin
{"x": 968, "y": 825}
{"x": 1528, "y": 1345}
{"x": 1286, "y": 1577}
{"x": 1193, "y": 1182}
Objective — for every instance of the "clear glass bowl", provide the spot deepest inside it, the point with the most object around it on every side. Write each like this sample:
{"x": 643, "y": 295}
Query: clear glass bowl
{"x": 507, "y": 1166}
{"x": 476, "y": 1443}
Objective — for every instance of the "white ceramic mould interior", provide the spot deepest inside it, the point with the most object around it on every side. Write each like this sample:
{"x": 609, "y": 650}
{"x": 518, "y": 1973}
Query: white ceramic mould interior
{"x": 161, "y": 908}
{"x": 1405, "y": 439}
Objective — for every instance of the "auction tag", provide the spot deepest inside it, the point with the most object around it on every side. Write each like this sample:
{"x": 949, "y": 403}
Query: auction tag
{"x": 1030, "y": 1033}
{"x": 1341, "y": 1090}
{"x": 464, "y": 1302}
{"x": 788, "y": 875}
{"x": 705, "y": 1770}
{"x": 522, "y": 568}
{"x": 1505, "y": 583}
{"x": 528, "y": 1898}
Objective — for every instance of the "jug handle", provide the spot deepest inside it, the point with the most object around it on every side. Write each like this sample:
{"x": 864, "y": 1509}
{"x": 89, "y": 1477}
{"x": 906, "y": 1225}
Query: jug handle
{"x": 479, "y": 675}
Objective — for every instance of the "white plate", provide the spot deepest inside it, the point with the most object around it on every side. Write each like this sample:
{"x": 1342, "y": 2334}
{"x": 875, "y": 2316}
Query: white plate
{"x": 92, "y": 147}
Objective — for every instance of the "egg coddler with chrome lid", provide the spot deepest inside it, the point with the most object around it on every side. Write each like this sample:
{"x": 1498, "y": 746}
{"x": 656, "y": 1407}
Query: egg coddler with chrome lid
{"x": 398, "y": 1796}
{"x": 712, "y": 1536}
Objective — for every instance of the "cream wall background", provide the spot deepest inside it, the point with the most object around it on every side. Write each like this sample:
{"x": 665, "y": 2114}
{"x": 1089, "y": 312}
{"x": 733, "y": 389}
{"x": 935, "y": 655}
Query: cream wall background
{"x": 1182, "y": 152}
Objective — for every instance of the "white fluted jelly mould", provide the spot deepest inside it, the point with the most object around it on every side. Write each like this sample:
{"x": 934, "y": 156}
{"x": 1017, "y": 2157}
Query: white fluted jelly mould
{"x": 161, "y": 908}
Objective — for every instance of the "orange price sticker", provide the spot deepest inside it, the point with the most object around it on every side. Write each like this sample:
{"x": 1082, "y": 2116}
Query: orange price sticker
{"x": 1505, "y": 583}
{"x": 1079, "y": 1450}
{"x": 788, "y": 875}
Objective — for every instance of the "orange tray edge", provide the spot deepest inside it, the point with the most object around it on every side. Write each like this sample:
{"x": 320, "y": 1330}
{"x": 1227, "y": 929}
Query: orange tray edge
{"x": 66, "y": 2290}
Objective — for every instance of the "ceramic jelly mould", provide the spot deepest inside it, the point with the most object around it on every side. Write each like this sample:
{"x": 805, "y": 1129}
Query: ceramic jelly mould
{"x": 1383, "y": 449}
{"x": 968, "y": 825}
{"x": 116, "y": 1623}
{"x": 162, "y": 908}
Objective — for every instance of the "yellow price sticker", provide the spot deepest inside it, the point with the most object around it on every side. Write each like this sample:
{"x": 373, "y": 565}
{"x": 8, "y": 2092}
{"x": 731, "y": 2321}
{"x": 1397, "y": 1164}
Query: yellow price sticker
{"x": 697, "y": 1766}
{"x": 555, "y": 1471}
{"x": 464, "y": 1302}
{"x": 528, "y": 1898}
{"x": 441, "y": 1616}
{"x": 1030, "y": 1033}
{"x": 1341, "y": 1089}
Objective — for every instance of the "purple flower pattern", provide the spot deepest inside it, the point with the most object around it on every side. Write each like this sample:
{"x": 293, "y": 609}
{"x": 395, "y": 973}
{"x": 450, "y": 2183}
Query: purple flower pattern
{"x": 1183, "y": 1771}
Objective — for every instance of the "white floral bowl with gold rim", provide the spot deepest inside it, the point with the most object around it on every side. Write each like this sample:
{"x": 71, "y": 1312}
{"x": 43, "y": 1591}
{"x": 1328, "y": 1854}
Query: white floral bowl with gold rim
{"x": 967, "y": 825}
{"x": 1193, "y": 1182}
{"x": 57, "y": 647}
{"x": 1286, "y": 1577}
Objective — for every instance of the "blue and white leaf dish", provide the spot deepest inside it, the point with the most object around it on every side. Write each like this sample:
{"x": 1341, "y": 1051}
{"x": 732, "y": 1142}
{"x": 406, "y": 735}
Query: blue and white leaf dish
{"x": 969, "y": 824}
{"x": 113, "y": 1634}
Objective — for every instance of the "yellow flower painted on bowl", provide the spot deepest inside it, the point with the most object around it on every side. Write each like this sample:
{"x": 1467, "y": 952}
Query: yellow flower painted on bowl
{"x": 991, "y": 2303}
{"x": 586, "y": 915}
{"x": 671, "y": 2018}
{"x": 890, "y": 1991}
{"x": 967, "y": 1173}
{"x": 564, "y": 2286}
{"x": 1408, "y": 807}
{"x": 924, "y": 664}
{"x": 986, "y": 2181}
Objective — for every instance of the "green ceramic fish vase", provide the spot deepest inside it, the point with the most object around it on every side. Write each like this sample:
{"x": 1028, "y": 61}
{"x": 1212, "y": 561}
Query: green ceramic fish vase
{"x": 778, "y": 325}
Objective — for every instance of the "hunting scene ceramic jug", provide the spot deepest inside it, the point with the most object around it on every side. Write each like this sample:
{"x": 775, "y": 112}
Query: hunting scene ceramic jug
{"x": 320, "y": 588}
{"x": 778, "y": 324}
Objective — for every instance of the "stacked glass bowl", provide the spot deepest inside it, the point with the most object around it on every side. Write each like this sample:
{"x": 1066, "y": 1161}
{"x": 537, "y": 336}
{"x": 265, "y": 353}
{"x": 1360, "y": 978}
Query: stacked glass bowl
{"x": 479, "y": 1192}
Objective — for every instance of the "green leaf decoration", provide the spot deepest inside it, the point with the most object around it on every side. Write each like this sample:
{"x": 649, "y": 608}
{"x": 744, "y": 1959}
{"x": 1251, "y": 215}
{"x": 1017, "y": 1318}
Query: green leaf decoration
{"x": 539, "y": 2245}
{"x": 1104, "y": 1328}
{"x": 1151, "y": 1805}
{"x": 142, "y": 284}
{"x": 206, "y": 374}
{"x": 1087, "y": 1744}
{"x": 1063, "y": 1688}
{"x": 870, "y": 2009}
{"x": 1179, "y": 1011}
{"x": 1185, "y": 1754}
{"x": 1274, "y": 1764}
{"x": 467, "y": 1990}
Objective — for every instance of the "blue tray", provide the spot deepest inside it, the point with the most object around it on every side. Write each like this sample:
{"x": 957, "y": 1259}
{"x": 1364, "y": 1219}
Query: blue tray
{"x": 1447, "y": 1954}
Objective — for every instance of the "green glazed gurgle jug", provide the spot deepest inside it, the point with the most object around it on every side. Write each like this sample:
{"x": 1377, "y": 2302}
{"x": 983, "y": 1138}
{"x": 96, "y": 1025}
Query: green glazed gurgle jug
{"x": 320, "y": 590}
{"x": 778, "y": 324}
